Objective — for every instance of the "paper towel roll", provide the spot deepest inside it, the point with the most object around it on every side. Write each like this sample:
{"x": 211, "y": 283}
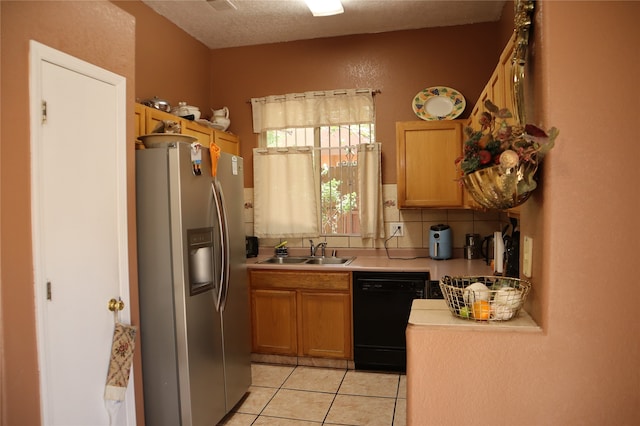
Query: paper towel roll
{"x": 498, "y": 252}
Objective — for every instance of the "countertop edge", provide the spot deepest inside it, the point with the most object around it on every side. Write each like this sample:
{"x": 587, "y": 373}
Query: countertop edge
{"x": 436, "y": 268}
{"x": 434, "y": 314}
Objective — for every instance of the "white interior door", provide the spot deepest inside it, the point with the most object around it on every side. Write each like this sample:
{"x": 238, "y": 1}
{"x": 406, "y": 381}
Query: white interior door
{"x": 80, "y": 232}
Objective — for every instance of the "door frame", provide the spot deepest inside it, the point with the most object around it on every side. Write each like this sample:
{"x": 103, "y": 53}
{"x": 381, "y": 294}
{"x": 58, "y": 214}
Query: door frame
{"x": 39, "y": 53}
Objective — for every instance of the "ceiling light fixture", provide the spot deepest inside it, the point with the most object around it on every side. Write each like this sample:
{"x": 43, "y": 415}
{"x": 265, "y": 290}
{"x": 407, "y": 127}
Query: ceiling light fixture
{"x": 324, "y": 7}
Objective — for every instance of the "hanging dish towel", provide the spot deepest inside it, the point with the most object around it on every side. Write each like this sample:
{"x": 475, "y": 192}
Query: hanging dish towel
{"x": 119, "y": 366}
{"x": 214, "y": 150}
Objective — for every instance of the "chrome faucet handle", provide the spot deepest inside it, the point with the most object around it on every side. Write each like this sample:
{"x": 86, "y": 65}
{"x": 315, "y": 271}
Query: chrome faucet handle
{"x": 322, "y": 246}
{"x": 313, "y": 248}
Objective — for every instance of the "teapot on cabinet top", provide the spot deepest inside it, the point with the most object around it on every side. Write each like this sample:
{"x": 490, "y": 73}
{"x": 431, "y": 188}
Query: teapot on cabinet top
{"x": 220, "y": 118}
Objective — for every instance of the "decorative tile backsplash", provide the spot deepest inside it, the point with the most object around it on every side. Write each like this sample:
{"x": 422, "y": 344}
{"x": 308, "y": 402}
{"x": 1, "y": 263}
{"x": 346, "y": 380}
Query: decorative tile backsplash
{"x": 417, "y": 223}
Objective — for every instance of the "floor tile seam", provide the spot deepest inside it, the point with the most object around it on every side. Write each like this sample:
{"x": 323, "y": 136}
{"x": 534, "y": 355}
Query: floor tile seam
{"x": 265, "y": 386}
{"x": 335, "y": 395}
{"x": 284, "y": 418}
{"x": 267, "y": 403}
{"x": 310, "y": 390}
{"x": 281, "y": 387}
{"x": 395, "y": 408}
{"x": 368, "y": 396}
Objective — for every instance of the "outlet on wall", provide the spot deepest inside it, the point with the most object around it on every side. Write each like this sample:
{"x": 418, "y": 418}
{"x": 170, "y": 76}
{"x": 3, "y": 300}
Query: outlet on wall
{"x": 396, "y": 229}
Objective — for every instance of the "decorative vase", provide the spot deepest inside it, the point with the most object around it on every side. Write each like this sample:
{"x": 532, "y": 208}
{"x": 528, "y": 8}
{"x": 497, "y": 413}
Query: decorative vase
{"x": 500, "y": 188}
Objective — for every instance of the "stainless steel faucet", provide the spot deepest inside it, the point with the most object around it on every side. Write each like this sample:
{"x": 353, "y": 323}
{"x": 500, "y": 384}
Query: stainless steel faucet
{"x": 314, "y": 249}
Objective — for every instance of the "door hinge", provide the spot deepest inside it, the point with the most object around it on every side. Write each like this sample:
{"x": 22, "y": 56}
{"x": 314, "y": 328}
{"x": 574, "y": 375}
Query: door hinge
{"x": 44, "y": 112}
{"x": 48, "y": 290}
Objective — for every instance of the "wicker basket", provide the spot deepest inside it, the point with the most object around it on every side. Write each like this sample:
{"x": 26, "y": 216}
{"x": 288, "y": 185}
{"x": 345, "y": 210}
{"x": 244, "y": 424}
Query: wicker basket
{"x": 485, "y": 298}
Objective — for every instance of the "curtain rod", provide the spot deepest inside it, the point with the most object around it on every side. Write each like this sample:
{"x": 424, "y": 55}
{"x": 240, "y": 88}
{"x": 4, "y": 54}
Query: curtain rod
{"x": 342, "y": 92}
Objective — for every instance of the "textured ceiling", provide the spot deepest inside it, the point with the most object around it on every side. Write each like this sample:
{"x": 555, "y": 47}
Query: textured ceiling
{"x": 217, "y": 25}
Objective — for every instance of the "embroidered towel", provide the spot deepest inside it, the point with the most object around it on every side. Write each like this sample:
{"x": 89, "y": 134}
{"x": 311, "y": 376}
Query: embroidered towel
{"x": 214, "y": 150}
{"x": 120, "y": 362}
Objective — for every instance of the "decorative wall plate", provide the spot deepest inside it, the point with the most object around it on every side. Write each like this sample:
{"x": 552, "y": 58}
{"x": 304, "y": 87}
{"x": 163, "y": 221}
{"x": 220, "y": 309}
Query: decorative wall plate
{"x": 438, "y": 103}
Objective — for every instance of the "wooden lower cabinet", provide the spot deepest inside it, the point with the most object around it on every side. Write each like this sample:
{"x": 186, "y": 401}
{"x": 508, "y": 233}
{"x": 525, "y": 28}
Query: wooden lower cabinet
{"x": 273, "y": 321}
{"x": 325, "y": 324}
{"x": 301, "y": 313}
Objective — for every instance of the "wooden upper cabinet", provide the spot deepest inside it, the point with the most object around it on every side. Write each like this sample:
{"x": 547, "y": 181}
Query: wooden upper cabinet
{"x": 139, "y": 120}
{"x": 506, "y": 67}
{"x": 149, "y": 119}
{"x": 499, "y": 88}
{"x": 154, "y": 117}
{"x": 227, "y": 142}
{"x": 426, "y": 153}
{"x": 203, "y": 134}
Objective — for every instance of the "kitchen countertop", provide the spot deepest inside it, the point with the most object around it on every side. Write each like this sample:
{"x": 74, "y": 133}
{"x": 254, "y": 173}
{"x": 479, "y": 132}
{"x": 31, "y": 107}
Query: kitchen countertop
{"x": 435, "y": 314}
{"x": 378, "y": 261}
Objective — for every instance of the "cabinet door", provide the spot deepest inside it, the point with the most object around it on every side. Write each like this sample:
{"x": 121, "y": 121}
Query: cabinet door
{"x": 227, "y": 142}
{"x": 139, "y": 120}
{"x": 153, "y": 118}
{"x": 273, "y": 322}
{"x": 506, "y": 66}
{"x": 325, "y": 319}
{"x": 426, "y": 152}
{"x": 203, "y": 134}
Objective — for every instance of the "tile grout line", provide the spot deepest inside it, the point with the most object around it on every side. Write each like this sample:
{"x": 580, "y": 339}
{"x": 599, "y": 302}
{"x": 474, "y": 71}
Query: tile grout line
{"x": 273, "y": 396}
{"x": 335, "y": 395}
{"x": 281, "y": 386}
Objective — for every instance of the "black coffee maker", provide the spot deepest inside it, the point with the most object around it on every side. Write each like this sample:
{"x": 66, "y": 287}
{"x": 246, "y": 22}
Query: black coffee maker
{"x": 512, "y": 249}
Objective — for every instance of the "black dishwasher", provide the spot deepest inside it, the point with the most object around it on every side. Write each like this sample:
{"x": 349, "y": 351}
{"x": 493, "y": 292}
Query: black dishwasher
{"x": 381, "y": 307}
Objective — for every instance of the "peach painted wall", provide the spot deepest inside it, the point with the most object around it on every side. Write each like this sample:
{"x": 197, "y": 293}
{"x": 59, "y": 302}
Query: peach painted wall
{"x": 400, "y": 64}
{"x": 583, "y": 368}
{"x": 97, "y": 32}
{"x": 170, "y": 64}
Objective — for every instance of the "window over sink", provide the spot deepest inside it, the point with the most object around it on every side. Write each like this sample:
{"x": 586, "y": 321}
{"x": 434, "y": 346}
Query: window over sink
{"x": 336, "y": 167}
{"x": 337, "y": 128}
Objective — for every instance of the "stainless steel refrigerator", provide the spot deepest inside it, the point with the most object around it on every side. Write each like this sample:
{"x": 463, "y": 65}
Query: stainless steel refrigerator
{"x": 194, "y": 304}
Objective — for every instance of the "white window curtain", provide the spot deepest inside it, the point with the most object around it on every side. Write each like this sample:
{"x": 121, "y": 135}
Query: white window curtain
{"x": 313, "y": 109}
{"x": 286, "y": 193}
{"x": 370, "y": 191}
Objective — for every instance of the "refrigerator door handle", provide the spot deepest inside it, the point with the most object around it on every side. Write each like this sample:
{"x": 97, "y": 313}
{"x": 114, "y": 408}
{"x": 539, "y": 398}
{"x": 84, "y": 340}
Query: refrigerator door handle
{"x": 216, "y": 201}
{"x": 218, "y": 196}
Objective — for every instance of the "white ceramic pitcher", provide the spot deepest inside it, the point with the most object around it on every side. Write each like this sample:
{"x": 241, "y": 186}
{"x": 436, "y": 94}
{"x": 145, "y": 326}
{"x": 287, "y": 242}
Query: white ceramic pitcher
{"x": 221, "y": 117}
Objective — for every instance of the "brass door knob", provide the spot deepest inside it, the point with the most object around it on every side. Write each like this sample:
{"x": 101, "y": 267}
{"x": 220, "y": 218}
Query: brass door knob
{"x": 115, "y": 305}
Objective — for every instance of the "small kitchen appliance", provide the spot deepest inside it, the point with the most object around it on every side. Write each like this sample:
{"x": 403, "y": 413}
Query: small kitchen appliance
{"x": 512, "y": 251}
{"x": 498, "y": 253}
{"x": 252, "y": 246}
{"x": 493, "y": 250}
{"x": 472, "y": 246}
{"x": 440, "y": 242}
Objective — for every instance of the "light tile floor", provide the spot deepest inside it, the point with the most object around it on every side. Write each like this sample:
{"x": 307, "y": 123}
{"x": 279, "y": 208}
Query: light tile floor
{"x": 286, "y": 395}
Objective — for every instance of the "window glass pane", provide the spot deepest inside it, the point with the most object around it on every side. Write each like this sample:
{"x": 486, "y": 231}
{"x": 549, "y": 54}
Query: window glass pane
{"x": 338, "y": 168}
{"x": 288, "y": 137}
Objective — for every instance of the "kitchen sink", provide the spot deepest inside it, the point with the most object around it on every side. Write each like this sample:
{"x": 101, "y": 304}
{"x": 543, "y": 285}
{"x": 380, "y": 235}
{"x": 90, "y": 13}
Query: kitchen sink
{"x": 329, "y": 260}
{"x": 308, "y": 260}
{"x": 285, "y": 260}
